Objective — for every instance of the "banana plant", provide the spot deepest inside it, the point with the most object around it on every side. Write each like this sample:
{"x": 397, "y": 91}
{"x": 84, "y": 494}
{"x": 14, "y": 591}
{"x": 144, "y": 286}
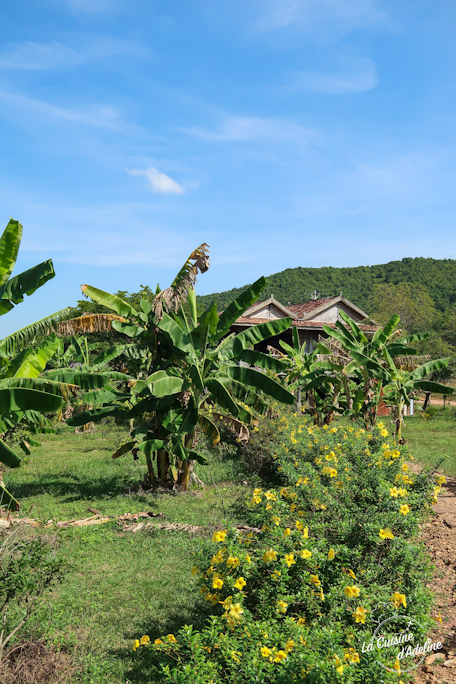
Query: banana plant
{"x": 190, "y": 377}
{"x": 25, "y": 396}
{"x": 400, "y": 385}
{"x": 359, "y": 361}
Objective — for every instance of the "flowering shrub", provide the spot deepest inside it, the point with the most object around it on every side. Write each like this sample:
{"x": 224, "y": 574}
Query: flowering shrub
{"x": 335, "y": 555}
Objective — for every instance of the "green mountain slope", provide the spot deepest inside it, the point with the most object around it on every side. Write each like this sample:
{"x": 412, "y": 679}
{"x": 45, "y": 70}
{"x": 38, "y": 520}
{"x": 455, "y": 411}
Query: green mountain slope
{"x": 438, "y": 276}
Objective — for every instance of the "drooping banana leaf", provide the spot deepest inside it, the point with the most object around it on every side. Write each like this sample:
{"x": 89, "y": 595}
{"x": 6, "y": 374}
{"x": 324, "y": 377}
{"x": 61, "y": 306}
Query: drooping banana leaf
{"x": 13, "y": 291}
{"x": 262, "y": 382}
{"x": 14, "y": 343}
{"x": 9, "y": 248}
{"x": 110, "y": 301}
{"x": 31, "y": 362}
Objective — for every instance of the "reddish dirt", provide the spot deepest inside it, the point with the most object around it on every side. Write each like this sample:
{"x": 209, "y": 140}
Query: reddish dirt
{"x": 439, "y": 536}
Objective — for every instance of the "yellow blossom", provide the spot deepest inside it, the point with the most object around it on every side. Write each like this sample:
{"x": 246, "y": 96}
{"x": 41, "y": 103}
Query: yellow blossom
{"x": 287, "y": 532}
{"x": 217, "y": 583}
{"x": 219, "y": 536}
{"x": 136, "y": 644}
{"x": 172, "y": 639}
{"x": 158, "y": 642}
{"x": 315, "y": 580}
{"x": 331, "y": 554}
{"x": 195, "y": 571}
{"x": 232, "y": 562}
{"x": 269, "y": 556}
{"x": 399, "y": 599}
{"x": 270, "y": 496}
{"x": 305, "y": 554}
{"x": 240, "y": 583}
{"x": 289, "y": 646}
{"x": 305, "y": 533}
{"x": 360, "y": 614}
{"x": 394, "y": 492}
{"x": 282, "y": 606}
{"x": 266, "y": 652}
{"x": 289, "y": 559}
{"x": 275, "y": 519}
{"x": 386, "y": 533}
{"x": 351, "y": 573}
{"x": 441, "y": 479}
{"x": 279, "y": 656}
{"x": 236, "y": 611}
{"x": 352, "y": 592}
{"x": 404, "y": 509}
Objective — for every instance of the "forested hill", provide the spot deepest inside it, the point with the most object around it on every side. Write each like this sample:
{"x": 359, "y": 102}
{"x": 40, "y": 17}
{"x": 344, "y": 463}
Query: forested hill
{"x": 438, "y": 276}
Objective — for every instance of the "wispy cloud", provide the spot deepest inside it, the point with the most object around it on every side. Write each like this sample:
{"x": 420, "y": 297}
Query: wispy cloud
{"x": 354, "y": 76}
{"x": 159, "y": 182}
{"x": 242, "y": 128}
{"x": 309, "y": 16}
{"x": 41, "y": 56}
{"x": 99, "y": 116}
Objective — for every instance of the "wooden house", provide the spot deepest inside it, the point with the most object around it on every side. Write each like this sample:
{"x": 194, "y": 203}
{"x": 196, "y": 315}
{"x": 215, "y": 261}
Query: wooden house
{"x": 308, "y": 317}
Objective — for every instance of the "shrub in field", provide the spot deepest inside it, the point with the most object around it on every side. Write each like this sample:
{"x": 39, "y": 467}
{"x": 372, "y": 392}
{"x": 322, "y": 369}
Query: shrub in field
{"x": 335, "y": 554}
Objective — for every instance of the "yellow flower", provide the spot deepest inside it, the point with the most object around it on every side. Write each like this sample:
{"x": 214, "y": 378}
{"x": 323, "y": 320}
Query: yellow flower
{"x": 256, "y": 499}
{"x": 282, "y": 606}
{"x": 394, "y": 492}
{"x": 257, "y": 492}
{"x": 240, "y": 583}
{"x": 268, "y": 507}
{"x": 352, "y": 656}
{"x": 287, "y": 532}
{"x": 158, "y": 642}
{"x": 404, "y": 509}
{"x": 305, "y": 554}
{"x": 275, "y": 519}
{"x": 279, "y": 656}
{"x": 331, "y": 554}
{"x": 305, "y": 533}
{"x": 269, "y": 556}
{"x": 289, "y": 646}
{"x": 351, "y": 573}
{"x": 236, "y": 611}
{"x": 290, "y": 559}
{"x": 384, "y": 433}
{"x": 339, "y": 665}
{"x": 276, "y": 575}
{"x": 172, "y": 639}
{"x": 232, "y": 562}
{"x": 397, "y": 666}
{"x": 266, "y": 652}
{"x": 315, "y": 580}
{"x": 360, "y": 614}
{"x": 219, "y": 536}
{"x": 386, "y": 534}
{"x": 284, "y": 492}
{"x": 399, "y": 599}
{"x": 248, "y": 559}
{"x": 235, "y": 654}
{"x": 144, "y": 640}
{"x": 136, "y": 644}
{"x": 441, "y": 479}
{"x": 299, "y": 525}
{"x": 439, "y": 618}
{"x": 217, "y": 583}
{"x": 402, "y": 491}
{"x": 352, "y": 592}
{"x": 396, "y": 453}
{"x": 218, "y": 558}
{"x": 270, "y": 496}
{"x": 195, "y": 570}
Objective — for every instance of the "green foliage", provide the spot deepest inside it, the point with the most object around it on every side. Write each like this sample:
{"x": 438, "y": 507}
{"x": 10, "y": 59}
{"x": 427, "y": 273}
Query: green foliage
{"x": 189, "y": 377}
{"x": 438, "y": 276}
{"x": 296, "y": 601}
{"x": 27, "y": 569}
{"x": 411, "y": 301}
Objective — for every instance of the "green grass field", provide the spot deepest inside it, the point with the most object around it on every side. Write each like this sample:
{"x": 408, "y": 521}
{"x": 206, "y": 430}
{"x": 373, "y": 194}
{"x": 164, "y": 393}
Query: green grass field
{"x": 120, "y": 585}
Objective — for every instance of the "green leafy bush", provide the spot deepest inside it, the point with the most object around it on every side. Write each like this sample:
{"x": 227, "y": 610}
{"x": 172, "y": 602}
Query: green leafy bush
{"x": 335, "y": 551}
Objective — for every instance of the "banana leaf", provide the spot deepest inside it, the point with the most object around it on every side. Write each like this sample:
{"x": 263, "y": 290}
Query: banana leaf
{"x": 239, "y": 306}
{"x": 9, "y": 248}
{"x": 262, "y": 382}
{"x": 110, "y": 301}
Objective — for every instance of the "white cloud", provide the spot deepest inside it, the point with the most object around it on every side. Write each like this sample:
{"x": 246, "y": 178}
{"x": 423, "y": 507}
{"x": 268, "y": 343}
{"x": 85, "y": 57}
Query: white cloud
{"x": 354, "y": 76}
{"x": 40, "y": 56}
{"x": 99, "y": 116}
{"x": 242, "y": 128}
{"x": 159, "y": 182}
{"x": 327, "y": 16}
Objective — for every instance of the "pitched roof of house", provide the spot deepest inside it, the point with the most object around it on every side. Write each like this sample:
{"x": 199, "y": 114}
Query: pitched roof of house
{"x": 245, "y": 321}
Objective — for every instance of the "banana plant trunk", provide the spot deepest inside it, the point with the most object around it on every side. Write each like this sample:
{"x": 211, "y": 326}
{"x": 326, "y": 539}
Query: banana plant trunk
{"x": 187, "y": 465}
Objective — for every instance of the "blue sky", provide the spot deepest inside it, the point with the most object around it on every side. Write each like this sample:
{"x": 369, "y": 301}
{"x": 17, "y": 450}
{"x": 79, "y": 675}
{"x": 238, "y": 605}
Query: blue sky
{"x": 281, "y": 132}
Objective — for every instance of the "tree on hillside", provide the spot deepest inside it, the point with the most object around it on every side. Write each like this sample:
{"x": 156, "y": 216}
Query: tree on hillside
{"x": 409, "y": 300}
